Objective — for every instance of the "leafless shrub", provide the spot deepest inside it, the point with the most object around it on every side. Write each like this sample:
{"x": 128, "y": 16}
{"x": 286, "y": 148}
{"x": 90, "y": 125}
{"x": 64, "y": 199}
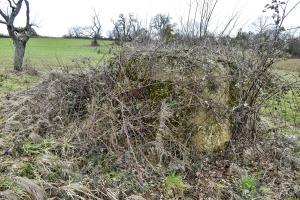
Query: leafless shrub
{"x": 155, "y": 112}
{"x": 199, "y": 18}
{"x": 141, "y": 112}
{"x": 76, "y": 32}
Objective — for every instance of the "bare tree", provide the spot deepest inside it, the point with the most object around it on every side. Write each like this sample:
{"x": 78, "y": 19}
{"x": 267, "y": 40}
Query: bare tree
{"x": 199, "y": 18}
{"x": 280, "y": 12}
{"x": 250, "y": 70}
{"x": 230, "y": 24}
{"x": 261, "y": 24}
{"x": 76, "y": 32}
{"x": 19, "y": 35}
{"x": 94, "y": 30}
{"x": 126, "y": 28}
{"x": 162, "y": 26}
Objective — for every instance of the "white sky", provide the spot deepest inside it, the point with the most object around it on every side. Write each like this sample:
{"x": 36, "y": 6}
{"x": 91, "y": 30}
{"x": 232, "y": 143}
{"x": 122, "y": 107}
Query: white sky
{"x": 55, "y": 17}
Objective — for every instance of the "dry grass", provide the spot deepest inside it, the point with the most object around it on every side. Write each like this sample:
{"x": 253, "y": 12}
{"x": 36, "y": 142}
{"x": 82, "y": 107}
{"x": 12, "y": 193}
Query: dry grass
{"x": 291, "y": 65}
{"x": 32, "y": 188}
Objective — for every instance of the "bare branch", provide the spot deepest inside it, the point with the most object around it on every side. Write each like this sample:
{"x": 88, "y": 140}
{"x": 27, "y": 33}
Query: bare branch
{"x": 233, "y": 19}
{"x": 3, "y": 15}
{"x": 27, "y": 14}
{"x": 11, "y": 5}
{"x": 197, "y": 24}
{"x": 189, "y": 15}
{"x": 210, "y": 14}
{"x": 202, "y": 18}
{"x": 2, "y": 22}
{"x": 293, "y": 8}
{"x": 15, "y": 11}
{"x": 293, "y": 28}
{"x": 195, "y": 17}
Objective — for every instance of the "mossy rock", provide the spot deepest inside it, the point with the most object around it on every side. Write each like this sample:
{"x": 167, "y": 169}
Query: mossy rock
{"x": 135, "y": 70}
{"x": 159, "y": 90}
{"x": 166, "y": 80}
{"x": 209, "y": 134}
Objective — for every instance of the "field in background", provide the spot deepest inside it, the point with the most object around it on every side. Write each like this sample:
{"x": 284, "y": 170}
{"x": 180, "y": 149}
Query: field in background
{"x": 45, "y": 54}
{"x": 285, "y": 107}
{"x": 48, "y": 53}
{"x": 292, "y": 65}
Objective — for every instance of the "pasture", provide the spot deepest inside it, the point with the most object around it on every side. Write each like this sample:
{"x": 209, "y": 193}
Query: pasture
{"x": 290, "y": 65}
{"x": 46, "y": 54}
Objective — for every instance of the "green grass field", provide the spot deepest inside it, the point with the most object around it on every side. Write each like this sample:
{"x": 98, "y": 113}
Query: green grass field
{"x": 45, "y": 53}
{"x": 291, "y": 65}
{"x": 285, "y": 107}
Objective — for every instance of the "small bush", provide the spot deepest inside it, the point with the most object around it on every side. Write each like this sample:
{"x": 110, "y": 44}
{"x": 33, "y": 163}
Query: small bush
{"x": 26, "y": 170}
{"x": 35, "y": 149}
{"x": 247, "y": 186}
{"x": 174, "y": 186}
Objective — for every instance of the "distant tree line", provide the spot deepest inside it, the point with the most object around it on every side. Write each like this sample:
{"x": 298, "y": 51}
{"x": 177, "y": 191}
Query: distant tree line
{"x": 294, "y": 47}
{"x": 3, "y": 36}
{"x": 127, "y": 28}
{"x": 194, "y": 27}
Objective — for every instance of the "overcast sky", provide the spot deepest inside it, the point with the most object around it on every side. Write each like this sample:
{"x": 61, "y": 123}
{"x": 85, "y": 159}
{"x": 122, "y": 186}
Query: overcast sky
{"x": 55, "y": 17}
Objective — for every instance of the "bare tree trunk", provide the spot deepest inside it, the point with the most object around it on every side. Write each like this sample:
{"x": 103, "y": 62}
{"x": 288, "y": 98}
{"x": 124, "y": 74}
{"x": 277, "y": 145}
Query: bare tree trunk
{"x": 94, "y": 42}
{"x": 19, "y": 35}
{"x": 20, "y": 46}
